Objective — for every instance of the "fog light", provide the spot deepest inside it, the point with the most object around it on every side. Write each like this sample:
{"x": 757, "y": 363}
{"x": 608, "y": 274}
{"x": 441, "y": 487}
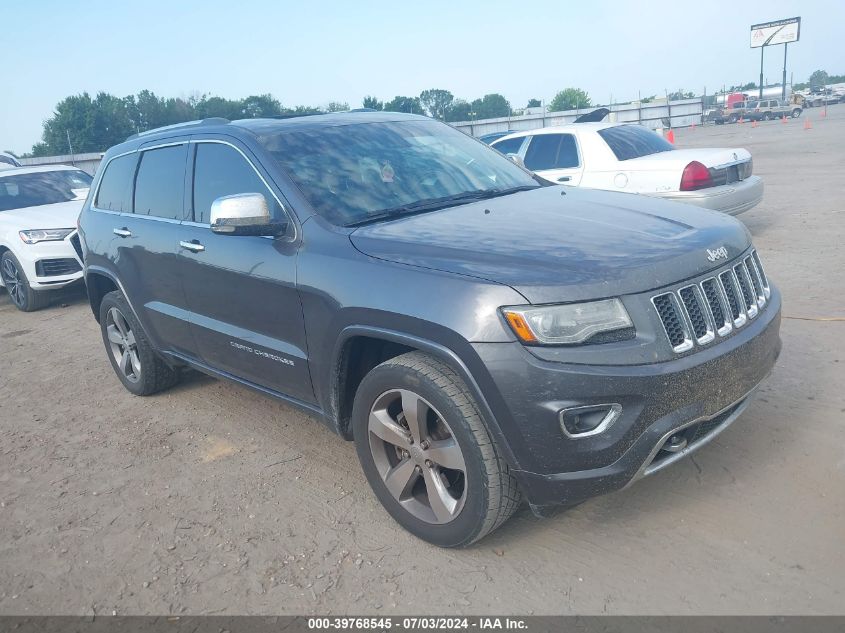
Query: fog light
{"x": 578, "y": 422}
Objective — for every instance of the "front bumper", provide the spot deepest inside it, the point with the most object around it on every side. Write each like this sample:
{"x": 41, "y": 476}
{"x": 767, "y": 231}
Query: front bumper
{"x": 732, "y": 199}
{"x": 50, "y": 265}
{"x": 697, "y": 395}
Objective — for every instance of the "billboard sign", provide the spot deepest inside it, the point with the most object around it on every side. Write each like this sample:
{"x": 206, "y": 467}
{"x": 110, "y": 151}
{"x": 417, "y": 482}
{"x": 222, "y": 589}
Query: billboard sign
{"x": 778, "y": 32}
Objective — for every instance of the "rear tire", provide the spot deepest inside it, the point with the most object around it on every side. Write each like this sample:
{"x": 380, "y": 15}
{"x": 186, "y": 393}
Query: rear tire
{"x": 796, "y": 113}
{"x": 135, "y": 362}
{"x": 17, "y": 285}
{"x": 442, "y": 451}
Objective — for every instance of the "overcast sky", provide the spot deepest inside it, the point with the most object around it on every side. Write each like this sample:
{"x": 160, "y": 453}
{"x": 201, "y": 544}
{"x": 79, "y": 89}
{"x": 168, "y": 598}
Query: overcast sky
{"x": 313, "y": 52}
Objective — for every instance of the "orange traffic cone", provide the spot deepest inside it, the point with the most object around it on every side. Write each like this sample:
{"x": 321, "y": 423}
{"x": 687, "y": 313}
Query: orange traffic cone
{"x": 807, "y": 124}
{"x": 740, "y": 120}
{"x": 754, "y": 123}
{"x": 824, "y": 112}
{"x": 783, "y": 119}
{"x": 693, "y": 126}
{"x": 670, "y": 136}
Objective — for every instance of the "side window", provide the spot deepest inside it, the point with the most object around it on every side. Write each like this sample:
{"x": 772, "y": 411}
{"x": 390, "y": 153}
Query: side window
{"x": 220, "y": 170}
{"x": 551, "y": 151}
{"x": 160, "y": 185}
{"x": 509, "y": 145}
{"x": 115, "y": 192}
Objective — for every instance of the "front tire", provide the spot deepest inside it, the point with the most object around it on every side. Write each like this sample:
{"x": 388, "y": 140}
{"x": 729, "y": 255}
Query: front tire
{"x": 428, "y": 455}
{"x": 796, "y": 113}
{"x": 132, "y": 357}
{"x": 17, "y": 285}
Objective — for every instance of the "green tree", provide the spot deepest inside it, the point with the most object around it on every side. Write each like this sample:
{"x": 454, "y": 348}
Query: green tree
{"x": 819, "y": 78}
{"x": 258, "y": 106}
{"x": 680, "y": 94}
{"x": 533, "y": 103}
{"x": 410, "y": 105}
{"x": 459, "y": 111}
{"x": 90, "y": 125}
{"x": 373, "y": 103}
{"x": 337, "y": 106}
{"x": 436, "y": 102}
{"x": 570, "y": 99}
{"x": 207, "y": 107}
{"x": 491, "y": 106}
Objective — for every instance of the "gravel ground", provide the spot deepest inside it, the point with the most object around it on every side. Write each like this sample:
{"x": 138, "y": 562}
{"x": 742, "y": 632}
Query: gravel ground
{"x": 212, "y": 499}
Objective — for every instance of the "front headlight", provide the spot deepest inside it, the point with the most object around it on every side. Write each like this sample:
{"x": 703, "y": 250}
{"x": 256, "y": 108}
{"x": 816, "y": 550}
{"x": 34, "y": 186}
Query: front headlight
{"x": 44, "y": 235}
{"x": 566, "y": 324}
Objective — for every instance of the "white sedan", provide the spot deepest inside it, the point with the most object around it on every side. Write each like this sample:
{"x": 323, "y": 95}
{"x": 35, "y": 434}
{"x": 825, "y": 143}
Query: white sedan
{"x": 39, "y": 248}
{"x": 631, "y": 158}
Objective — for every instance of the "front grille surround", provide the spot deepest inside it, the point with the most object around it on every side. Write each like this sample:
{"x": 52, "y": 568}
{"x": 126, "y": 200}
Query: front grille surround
{"x": 714, "y": 307}
{"x": 57, "y": 267}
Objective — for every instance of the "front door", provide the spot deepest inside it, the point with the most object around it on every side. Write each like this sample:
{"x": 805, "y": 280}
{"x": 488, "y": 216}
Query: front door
{"x": 246, "y": 314}
{"x": 555, "y": 157}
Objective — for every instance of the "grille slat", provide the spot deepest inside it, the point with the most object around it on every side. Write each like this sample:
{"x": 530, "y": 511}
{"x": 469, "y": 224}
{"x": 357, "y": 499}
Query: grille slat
{"x": 695, "y": 312}
{"x": 673, "y": 323}
{"x": 698, "y": 313}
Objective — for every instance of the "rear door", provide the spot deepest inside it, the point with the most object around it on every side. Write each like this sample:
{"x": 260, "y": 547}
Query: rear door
{"x": 241, "y": 290}
{"x": 555, "y": 157}
{"x": 143, "y": 196}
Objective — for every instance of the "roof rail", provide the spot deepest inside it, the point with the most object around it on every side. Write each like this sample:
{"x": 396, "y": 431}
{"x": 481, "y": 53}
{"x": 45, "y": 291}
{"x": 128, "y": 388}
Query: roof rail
{"x": 213, "y": 120}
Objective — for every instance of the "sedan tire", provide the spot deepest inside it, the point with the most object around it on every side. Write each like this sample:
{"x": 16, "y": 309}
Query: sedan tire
{"x": 428, "y": 455}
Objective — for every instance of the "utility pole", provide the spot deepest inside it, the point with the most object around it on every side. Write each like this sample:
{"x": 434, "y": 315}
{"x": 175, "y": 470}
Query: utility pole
{"x": 70, "y": 147}
{"x": 762, "y": 48}
{"x": 783, "y": 90}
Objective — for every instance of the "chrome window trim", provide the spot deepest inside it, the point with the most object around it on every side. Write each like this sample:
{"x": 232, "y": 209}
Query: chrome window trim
{"x": 710, "y": 334}
{"x": 687, "y": 344}
{"x": 284, "y": 209}
{"x": 727, "y": 327}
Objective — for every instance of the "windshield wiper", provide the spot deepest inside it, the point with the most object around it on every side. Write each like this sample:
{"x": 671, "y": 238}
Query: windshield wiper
{"x": 433, "y": 204}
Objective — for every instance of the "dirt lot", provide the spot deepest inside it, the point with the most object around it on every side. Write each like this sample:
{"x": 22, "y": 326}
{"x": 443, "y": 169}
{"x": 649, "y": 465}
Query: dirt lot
{"x": 212, "y": 499}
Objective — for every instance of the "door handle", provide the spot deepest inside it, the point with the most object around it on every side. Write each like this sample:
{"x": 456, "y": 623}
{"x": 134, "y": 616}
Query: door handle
{"x": 564, "y": 179}
{"x": 124, "y": 232}
{"x": 194, "y": 246}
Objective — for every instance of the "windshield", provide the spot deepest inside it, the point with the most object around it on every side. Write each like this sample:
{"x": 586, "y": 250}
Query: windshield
{"x": 46, "y": 187}
{"x": 354, "y": 173}
{"x": 634, "y": 141}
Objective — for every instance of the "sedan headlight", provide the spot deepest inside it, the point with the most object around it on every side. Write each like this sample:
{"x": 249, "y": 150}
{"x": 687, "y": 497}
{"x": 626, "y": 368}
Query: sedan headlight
{"x": 34, "y": 236}
{"x": 566, "y": 324}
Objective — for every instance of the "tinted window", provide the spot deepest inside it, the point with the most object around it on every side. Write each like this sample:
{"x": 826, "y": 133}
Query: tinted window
{"x": 220, "y": 170}
{"x": 115, "y": 192}
{"x": 633, "y": 141}
{"x": 551, "y": 151}
{"x": 509, "y": 146}
{"x": 160, "y": 185}
{"x": 44, "y": 187}
{"x": 366, "y": 171}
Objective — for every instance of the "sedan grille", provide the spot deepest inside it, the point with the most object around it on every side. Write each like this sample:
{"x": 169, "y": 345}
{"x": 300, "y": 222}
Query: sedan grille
{"x": 699, "y": 313}
{"x": 57, "y": 267}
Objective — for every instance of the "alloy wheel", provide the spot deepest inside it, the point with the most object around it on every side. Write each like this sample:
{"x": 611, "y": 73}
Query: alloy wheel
{"x": 417, "y": 456}
{"x": 123, "y": 346}
{"x": 14, "y": 283}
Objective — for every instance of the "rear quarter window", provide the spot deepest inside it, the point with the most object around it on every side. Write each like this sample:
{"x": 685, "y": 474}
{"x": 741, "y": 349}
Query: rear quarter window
{"x": 115, "y": 192}
{"x": 551, "y": 151}
{"x": 633, "y": 141}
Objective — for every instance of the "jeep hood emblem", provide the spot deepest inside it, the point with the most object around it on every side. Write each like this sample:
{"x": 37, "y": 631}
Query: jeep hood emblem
{"x": 717, "y": 254}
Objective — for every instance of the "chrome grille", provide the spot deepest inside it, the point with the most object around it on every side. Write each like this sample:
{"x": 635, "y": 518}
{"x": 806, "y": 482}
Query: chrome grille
{"x": 700, "y": 313}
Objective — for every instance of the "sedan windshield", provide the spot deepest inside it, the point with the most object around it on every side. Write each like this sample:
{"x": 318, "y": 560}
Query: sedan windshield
{"x": 19, "y": 191}
{"x": 352, "y": 174}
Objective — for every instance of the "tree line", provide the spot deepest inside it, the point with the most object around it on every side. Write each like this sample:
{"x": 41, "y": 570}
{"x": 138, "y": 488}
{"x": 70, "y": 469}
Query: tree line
{"x": 82, "y": 124}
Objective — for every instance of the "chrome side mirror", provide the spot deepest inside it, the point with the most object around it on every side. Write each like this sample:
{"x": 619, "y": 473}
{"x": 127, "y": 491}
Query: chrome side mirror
{"x": 243, "y": 214}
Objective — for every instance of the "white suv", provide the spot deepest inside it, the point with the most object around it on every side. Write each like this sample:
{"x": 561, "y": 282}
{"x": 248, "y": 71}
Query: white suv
{"x": 39, "y": 248}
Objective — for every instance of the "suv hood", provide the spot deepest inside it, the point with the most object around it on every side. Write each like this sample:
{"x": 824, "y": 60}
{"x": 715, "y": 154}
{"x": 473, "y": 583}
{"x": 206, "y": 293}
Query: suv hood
{"x": 551, "y": 247}
{"x": 62, "y": 215}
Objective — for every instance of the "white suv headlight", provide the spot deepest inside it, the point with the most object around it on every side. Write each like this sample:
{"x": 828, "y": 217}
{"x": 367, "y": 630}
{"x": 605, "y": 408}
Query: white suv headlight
{"x": 34, "y": 236}
{"x": 566, "y": 324}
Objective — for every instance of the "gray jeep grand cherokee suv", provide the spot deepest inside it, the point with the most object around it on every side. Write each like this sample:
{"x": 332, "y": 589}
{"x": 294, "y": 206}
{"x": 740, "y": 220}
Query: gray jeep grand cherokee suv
{"x": 481, "y": 334}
